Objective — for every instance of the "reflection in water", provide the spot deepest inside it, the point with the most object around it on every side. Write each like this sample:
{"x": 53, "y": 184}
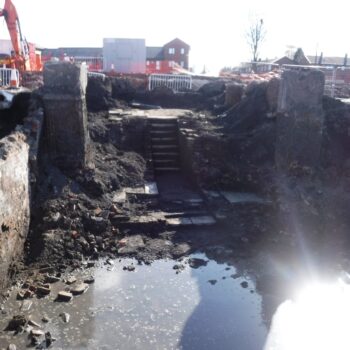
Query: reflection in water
{"x": 318, "y": 318}
{"x": 227, "y": 316}
{"x": 153, "y": 308}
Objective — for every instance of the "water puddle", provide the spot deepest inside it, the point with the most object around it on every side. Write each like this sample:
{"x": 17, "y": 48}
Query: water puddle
{"x": 152, "y": 307}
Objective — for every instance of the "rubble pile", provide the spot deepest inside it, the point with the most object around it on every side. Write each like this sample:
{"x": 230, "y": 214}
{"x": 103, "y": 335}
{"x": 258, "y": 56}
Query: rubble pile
{"x": 236, "y": 149}
{"x": 99, "y": 92}
{"x": 73, "y": 211}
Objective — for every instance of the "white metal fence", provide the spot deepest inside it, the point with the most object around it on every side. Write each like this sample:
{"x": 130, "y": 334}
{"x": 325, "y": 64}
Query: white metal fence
{"x": 5, "y": 76}
{"x": 175, "y": 82}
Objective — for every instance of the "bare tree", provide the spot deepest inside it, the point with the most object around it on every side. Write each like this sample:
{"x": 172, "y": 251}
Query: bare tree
{"x": 255, "y": 36}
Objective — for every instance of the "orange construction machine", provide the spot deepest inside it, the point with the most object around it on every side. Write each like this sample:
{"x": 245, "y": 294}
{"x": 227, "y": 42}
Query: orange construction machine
{"x": 24, "y": 56}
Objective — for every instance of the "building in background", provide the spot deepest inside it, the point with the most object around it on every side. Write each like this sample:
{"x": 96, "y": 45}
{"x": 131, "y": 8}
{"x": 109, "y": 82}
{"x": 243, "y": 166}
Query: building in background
{"x": 173, "y": 57}
{"x": 92, "y": 56}
{"x": 329, "y": 61}
{"x": 127, "y": 56}
{"x": 178, "y": 52}
{"x": 124, "y": 55}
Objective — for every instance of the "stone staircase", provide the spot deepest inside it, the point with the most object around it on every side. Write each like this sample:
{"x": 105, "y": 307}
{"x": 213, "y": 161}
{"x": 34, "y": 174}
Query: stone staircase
{"x": 164, "y": 140}
{"x": 171, "y": 205}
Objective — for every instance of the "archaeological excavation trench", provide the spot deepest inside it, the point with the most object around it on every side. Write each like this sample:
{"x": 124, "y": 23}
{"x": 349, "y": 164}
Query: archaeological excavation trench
{"x": 151, "y": 219}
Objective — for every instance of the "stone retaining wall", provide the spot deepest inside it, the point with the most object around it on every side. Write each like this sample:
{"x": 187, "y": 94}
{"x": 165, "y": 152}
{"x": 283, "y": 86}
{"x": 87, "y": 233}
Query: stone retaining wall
{"x": 18, "y": 170}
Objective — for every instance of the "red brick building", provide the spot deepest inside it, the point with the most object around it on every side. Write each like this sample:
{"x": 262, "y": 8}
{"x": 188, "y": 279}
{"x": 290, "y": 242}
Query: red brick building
{"x": 177, "y": 51}
{"x": 172, "y": 57}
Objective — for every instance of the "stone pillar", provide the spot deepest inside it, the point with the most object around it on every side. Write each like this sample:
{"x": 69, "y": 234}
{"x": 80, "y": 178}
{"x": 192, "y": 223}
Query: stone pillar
{"x": 66, "y": 114}
{"x": 300, "y": 120}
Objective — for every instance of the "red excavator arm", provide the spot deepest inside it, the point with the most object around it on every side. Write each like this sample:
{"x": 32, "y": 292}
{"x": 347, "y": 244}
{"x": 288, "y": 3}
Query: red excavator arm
{"x": 20, "y": 57}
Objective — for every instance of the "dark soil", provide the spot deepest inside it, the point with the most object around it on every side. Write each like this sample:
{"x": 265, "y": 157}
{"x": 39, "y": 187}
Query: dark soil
{"x": 10, "y": 118}
{"x": 70, "y": 206}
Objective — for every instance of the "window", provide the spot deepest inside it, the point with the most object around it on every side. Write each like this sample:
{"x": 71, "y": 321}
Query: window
{"x": 171, "y": 51}
{"x": 147, "y": 63}
{"x": 182, "y": 63}
{"x": 157, "y": 65}
{"x": 171, "y": 64}
{"x": 182, "y": 51}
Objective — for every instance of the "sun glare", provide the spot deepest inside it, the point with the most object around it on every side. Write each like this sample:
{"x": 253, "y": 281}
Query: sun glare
{"x": 318, "y": 318}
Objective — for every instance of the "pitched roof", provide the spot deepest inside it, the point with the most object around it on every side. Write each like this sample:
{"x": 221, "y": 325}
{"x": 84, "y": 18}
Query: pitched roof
{"x": 336, "y": 61}
{"x": 177, "y": 40}
{"x": 74, "y": 51}
{"x": 300, "y": 58}
{"x": 154, "y": 53}
{"x": 284, "y": 60}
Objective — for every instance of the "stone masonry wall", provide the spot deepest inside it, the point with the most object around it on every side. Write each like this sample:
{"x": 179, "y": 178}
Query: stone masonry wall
{"x": 14, "y": 200}
{"x": 18, "y": 173}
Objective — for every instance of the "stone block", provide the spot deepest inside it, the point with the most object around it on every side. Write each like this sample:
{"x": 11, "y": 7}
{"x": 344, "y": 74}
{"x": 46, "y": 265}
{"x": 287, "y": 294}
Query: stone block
{"x": 299, "y": 89}
{"x": 66, "y": 113}
{"x": 300, "y": 120}
{"x": 66, "y": 130}
{"x": 65, "y": 78}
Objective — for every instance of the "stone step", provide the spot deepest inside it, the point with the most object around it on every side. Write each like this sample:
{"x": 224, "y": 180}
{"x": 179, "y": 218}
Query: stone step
{"x": 165, "y": 133}
{"x": 205, "y": 220}
{"x": 166, "y": 163}
{"x": 159, "y": 160}
{"x": 163, "y": 139}
{"x": 165, "y": 160}
{"x": 151, "y": 188}
{"x": 117, "y": 112}
{"x": 243, "y": 198}
{"x": 162, "y": 155}
{"x": 162, "y": 118}
{"x": 165, "y": 147}
{"x": 166, "y": 169}
{"x": 165, "y": 126}
{"x": 187, "y": 213}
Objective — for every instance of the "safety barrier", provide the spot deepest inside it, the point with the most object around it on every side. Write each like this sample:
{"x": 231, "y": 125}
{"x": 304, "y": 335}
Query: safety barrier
{"x": 175, "y": 82}
{"x": 94, "y": 63}
{"x": 9, "y": 77}
{"x": 337, "y": 78}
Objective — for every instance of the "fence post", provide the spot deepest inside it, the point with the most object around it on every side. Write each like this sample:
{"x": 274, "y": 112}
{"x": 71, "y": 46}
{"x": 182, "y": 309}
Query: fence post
{"x": 334, "y": 76}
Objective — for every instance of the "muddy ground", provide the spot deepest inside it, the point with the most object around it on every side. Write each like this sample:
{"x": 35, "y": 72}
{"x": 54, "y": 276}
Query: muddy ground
{"x": 76, "y": 220}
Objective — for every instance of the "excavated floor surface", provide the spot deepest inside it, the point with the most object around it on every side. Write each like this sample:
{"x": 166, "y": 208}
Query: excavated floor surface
{"x": 160, "y": 280}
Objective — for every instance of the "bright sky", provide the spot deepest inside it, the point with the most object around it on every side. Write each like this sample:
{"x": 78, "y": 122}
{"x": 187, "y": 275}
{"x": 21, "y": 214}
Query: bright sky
{"x": 214, "y": 29}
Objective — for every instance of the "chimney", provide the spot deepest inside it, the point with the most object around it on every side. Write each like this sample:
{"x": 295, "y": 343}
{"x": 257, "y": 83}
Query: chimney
{"x": 320, "y": 59}
{"x": 346, "y": 59}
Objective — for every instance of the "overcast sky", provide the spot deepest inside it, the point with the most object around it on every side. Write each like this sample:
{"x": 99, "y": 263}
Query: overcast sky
{"x": 214, "y": 29}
